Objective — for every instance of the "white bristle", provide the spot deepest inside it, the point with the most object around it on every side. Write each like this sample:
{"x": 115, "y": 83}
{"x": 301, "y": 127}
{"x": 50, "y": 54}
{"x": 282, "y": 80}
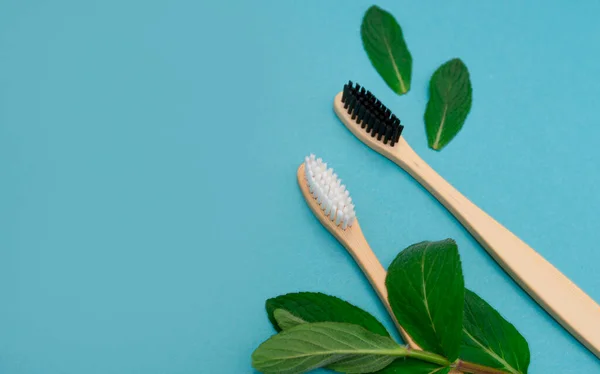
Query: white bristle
{"x": 351, "y": 218}
{"x": 328, "y": 209}
{"x": 329, "y": 192}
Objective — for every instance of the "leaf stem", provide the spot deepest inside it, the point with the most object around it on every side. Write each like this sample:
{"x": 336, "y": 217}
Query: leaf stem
{"x": 427, "y": 356}
{"x": 405, "y": 351}
{"x": 470, "y": 367}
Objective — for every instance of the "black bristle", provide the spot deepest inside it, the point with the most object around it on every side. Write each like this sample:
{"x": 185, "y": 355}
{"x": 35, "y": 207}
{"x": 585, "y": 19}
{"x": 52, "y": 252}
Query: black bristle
{"x": 345, "y": 93}
{"x": 388, "y": 134}
{"x": 376, "y": 127}
{"x": 366, "y": 116}
{"x": 356, "y": 109}
{"x": 361, "y": 114}
{"x": 400, "y": 128}
{"x": 380, "y": 127}
{"x": 394, "y": 136}
{"x": 351, "y": 102}
{"x": 370, "y": 124}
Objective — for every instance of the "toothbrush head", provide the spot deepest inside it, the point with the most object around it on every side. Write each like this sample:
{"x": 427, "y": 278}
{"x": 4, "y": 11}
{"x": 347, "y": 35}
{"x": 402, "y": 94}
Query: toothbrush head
{"x": 331, "y": 200}
{"x": 366, "y": 116}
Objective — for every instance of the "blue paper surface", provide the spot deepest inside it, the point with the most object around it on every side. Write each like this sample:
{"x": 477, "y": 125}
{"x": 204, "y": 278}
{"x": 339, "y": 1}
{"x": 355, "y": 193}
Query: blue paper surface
{"x": 148, "y": 156}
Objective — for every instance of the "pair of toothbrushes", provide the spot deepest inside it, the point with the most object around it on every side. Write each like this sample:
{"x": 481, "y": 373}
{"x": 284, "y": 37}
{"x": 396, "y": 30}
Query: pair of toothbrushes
{"x": 374, "y": 124}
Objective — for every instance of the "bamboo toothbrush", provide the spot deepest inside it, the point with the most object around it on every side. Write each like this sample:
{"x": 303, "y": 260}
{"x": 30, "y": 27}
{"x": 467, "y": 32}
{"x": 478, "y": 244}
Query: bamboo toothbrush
{"x": 374, "y": 124}
{"x": 331, "y": 203}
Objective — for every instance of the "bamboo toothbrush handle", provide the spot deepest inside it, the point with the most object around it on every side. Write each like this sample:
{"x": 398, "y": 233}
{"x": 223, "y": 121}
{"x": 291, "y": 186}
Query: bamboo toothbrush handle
{"x": 560, "y": 297}
{"x": 356, "y": 244}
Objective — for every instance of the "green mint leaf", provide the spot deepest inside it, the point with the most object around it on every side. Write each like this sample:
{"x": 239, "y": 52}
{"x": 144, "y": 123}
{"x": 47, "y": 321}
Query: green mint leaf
{"x": 426, "y": 292}
{"x": 490, "y": 340}
{"x": 450, "y": 98}
{"x": 339, "y": 346}
{"x": 318, "y": 307}
{"x": 413, "y": 366}
{"x": 286, "y": 320}
{"x": 384, "y": 43}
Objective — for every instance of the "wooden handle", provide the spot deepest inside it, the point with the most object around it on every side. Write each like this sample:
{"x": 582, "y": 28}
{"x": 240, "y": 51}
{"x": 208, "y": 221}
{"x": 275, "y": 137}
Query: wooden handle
{"x": 355, "y": 243}
{"x": 560, "y": 297}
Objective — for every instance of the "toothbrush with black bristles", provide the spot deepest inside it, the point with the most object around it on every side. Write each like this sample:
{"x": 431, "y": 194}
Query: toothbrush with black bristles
{"x": 376, "y": 126}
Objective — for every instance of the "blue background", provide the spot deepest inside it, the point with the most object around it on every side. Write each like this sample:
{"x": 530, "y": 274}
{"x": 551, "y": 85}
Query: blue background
{"x": 148, "y": 151}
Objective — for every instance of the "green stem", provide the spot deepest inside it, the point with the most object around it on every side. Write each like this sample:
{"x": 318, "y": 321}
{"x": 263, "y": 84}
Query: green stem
{"x": 408, "y": 352}
{"x": 427, "y": 356}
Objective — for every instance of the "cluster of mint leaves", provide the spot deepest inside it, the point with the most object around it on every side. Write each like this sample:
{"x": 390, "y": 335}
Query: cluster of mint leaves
{"x": 456, "y": 330}
{"x": 450, "y": 89}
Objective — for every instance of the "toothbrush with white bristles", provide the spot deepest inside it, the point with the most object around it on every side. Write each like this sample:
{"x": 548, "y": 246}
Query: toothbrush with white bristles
{"x": 331, "y": 203}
